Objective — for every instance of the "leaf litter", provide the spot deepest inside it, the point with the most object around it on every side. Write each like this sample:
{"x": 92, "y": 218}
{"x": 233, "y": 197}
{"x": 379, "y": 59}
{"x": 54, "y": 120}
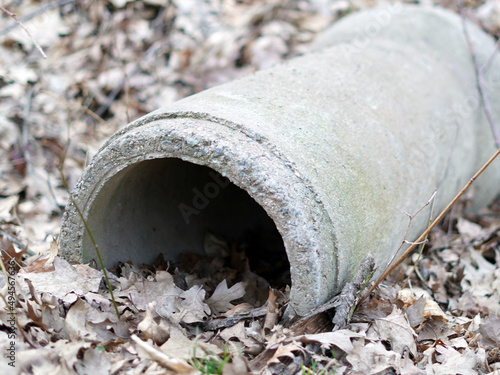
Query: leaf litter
{"x": 111, "y": 62}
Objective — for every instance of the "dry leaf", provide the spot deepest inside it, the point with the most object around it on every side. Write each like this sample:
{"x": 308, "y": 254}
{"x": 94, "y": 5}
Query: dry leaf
{"x": 454, "y": 362}
{"x": 75, "y": 323}
{"x": 153, "y": 353}
{"x": 237, "y": 366}
{"x": 162, "y": 289}
{"x": 64, "y": 279}
{"x": 284, "y": 351}
{"x": 469, "y": 229}
{"x": 9, "y": 255}
{"x": 158, "y": 332}
{"x": 54, "y": 249}
{"x": 220, "y": 301}
{"x": 340, "y": 338}
{"x": 396, "y": 329}
{"x": 191, "y": 306}
{"x": 420, "y": 309}
{"x": 272, "y": 312}
{"x": 94, "y": 362}
{"x": 372, "y": 358}
{"x": 6, "y": 206}
{"x": 490, "y": 332}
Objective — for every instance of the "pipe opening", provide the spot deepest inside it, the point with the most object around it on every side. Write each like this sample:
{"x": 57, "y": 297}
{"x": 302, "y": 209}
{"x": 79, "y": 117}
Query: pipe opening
{"x": 175, "y": 207}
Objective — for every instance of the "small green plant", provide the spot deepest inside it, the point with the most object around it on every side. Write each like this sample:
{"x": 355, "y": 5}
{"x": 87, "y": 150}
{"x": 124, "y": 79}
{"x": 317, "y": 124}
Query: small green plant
{"x": 210, "y": 363}
{"x": 313, "y": 369}
{"x": 101, "y": 263}
{"x": 309, "y": 370}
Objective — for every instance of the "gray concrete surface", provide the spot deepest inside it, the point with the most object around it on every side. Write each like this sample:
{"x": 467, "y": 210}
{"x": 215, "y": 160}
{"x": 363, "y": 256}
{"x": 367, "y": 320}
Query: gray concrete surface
{"x": 328, "y": 150}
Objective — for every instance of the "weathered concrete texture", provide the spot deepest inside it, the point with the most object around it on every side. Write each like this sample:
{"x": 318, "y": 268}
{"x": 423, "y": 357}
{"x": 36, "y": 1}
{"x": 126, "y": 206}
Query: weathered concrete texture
{"x": 334, "y": 147}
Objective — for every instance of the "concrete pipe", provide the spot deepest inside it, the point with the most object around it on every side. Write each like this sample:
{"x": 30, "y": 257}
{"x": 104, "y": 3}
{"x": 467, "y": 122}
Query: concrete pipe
{"x": 326, "y": 152}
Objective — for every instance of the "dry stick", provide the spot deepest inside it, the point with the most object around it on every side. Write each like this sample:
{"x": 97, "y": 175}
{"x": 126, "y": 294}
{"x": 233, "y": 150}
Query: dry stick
{"x": 431, "y": 213}
{"x": 43, "y": 186}
{"x": 108, "y": 284}
{"x": 420, "y": 252}
{"x": 487, "y": 64}
{"x": 430, "y": 227}
{"x": 126, "y": 83}
{"x": 37, "y": 12}
{"x": 150, "y": 53}
{"x": 16, "y": 241}
{"x": 487, "y": 109}
{"x": 58, "y": 97}
{"x": 411, "y": 217}
{"x": 25, "y": 29}
{"x": 65, "y": 184}
{"x": 431, "y": 200}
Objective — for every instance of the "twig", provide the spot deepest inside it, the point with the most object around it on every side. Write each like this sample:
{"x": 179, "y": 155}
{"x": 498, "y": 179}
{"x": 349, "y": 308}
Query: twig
{"x": 25, "y": 29}
{"x": 414, "y": 269}
{"x": 58, "y": 97}
{"x": 344, "y": 302}
{"x": 32, "y": 15}
{"x": 351, "y": 292}
{"x": 45, "y": 187}
{"x": 487, "y": 64}
{"x": 177, "y": 365}
{"x": 16, "y": 241}
{"x": 229, "y": 321}
{"x": 408, "y": 227}
{"x": 487, "y": 109}
{"x": 126, "y": 83}
{"x": 150, "y": 52}
{"x": 431, "y": 226}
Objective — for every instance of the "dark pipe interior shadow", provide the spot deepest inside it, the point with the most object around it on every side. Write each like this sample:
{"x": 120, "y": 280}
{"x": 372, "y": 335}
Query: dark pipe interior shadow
{"x": 167, "y": 206}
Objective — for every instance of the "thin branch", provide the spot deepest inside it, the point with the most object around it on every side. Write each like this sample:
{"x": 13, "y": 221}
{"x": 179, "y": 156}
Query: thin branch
{"x": 496, "y": 133}
{"x": 408, "y": 227}
{"x": 32, "y": 15}
{"x": 431, "y": 226}
{"x": 149, "y": 54}
{"x": 415, "y": 242}
{"x": 16, "y": 241}
{"x": 420, "y": 252}
{"x": 44, "y": 186}
{"x": 126, "y": 83}
{"x": 75, "y": 104}
{"x": 488, "y": 63}
{"x": 25, "y": 29}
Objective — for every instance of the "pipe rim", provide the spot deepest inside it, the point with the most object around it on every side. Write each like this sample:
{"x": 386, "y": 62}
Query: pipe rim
{"x": 248, "y": 163}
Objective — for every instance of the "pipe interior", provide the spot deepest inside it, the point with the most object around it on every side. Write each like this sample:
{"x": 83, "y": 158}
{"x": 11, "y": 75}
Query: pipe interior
{"x": 168, "y": 206}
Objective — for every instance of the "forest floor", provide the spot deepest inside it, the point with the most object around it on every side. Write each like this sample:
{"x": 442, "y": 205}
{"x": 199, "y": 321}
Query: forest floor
{"x": 110, "y": 62}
